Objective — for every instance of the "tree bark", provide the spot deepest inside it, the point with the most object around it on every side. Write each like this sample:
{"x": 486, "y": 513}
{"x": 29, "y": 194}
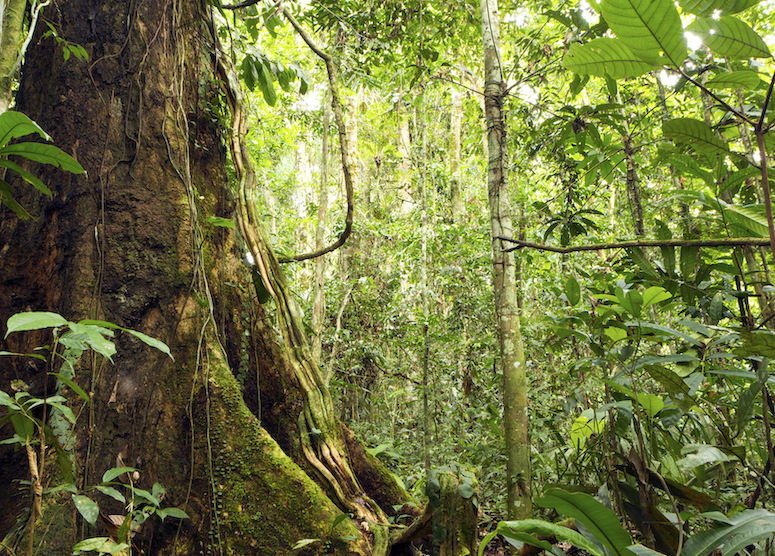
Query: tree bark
{"x": 11, "y": 26}
{"x": 128, "y": 243}
{"x": 512, "y": 356}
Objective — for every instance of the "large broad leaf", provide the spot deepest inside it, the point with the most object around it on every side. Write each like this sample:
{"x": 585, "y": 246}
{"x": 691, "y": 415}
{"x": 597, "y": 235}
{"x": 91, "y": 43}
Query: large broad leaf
{"x": 524, "y": 530}
{"x": 674, "y": 385}
{"x": 33, "y": 321}
{"x": 15, "y": 124}
{"x": 696, "y": 134}
{"x": 647, "y": 27}
{"x": 743, "y": 221}
{"x": 706, "y": 8}
{"x": 743, "y": 529}
{"x": 601, "y": 522}
{"x": 603, "y": 57}
{"x": 760, "y": 343}
{"x": 730, "y": 37}
{"x": 87, "y": 508}
{"x": 735, "y": 80}
{"x": 47, "y": 154}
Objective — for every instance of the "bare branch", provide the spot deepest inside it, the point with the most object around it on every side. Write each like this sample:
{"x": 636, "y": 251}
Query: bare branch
{"x": 719, "y": 242}
{"x": 336, "y": 104}
{"x": 245, "y": 4}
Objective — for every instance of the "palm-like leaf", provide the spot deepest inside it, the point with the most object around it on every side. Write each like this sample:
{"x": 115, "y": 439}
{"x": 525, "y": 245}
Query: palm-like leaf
{"x": 525, "y": 529}
{"x": 647, "y": 27}
{"x": 730, "y": 37}
{"x": 601, "y": 522}
{"x": 743, "y": 529}
{"x": 603, "y": 57}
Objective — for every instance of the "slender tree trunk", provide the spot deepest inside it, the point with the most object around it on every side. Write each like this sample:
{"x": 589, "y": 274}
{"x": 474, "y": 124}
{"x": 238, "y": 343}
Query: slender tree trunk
{"x": 404, "y": 150}
{"x": 512, "y": 360}
{"x": 11, "y": 27}
{"x": 422, "y": 128}
{"x": 456, "y": 124}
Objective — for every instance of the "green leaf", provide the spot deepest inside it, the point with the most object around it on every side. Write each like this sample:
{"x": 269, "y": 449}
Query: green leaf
{"x": 266, "y": 83}
{"x": 582, "y": 428}
{"x": 647, "y": 27}
{"x": 601, "y": 522}
{"x": 87, "y": 508}
{"x": 339, "y": 519}
{"x": 716, "y": 311}
{"x": 655, "y": 294}
{"x": 112, "y": 492}
{"x": 29, "y": 178}
{"x": 223, "y": 222}
{"x": 47, "y": 154}
{"x": 632, "y": 301}
{"x": 730, "y": 37}
{"x": 304, "y": 542}
{"x": 114, "y": 472}
{"x": 466, "y": 491}
{"x": 760, "y": 343}
{"x": 90, "y": 545}
{"x": 153, "y": 342}
{"x": 103, "y": 545}
{"x": 33, "y": 321}
{"x": 651, "y": 403}
{"x": 517, "y": 530}
{"x": 94, "y": 336}
{"x": 706, "y": 8}
{"x": 746, "y": 404}
{"x": 65, "y": 411}
{"x": 746, "y": 220}
{"x": 616, "y": 334}
{"x": 573, "y": 291}
{"x": 744, "y": 528}
{"x": 696, "y": 134}
{"x": 15, "y": 124}
{"x": 6, "y": 197}
{"x": 22, "y": 425}
{"x": 144, "y": 494}
{"x": 73, "y": 386}
{"x": 746, "y": 79}
{"x": 702, "y": 454}
{"x": 177, "y": 513}
{"x": 639, "y": 258}
{"x": 605, "y": 57}
{"x": 648, "y": 327}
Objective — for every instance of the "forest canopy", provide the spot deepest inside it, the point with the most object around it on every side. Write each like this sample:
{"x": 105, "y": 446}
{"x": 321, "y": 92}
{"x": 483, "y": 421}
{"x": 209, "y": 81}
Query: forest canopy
{"x": 389, "y": 277}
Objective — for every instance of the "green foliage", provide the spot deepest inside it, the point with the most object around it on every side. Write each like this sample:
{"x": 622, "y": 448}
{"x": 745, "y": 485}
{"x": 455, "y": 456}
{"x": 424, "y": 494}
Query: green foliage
{"x": 57, "y": 430}
{"x": 14, "y": 125}
{"x": 601, "y": 527}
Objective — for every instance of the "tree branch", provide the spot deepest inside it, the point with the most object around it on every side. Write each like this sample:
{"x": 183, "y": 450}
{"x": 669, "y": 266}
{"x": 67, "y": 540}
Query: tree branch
{"x": 718, "y": 242}
{"x": 336, "y": 104}
{"x": 241, "y": 5}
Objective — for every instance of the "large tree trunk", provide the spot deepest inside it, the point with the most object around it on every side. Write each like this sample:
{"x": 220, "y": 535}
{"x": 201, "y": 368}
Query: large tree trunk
{"x": 129, "y": 243}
